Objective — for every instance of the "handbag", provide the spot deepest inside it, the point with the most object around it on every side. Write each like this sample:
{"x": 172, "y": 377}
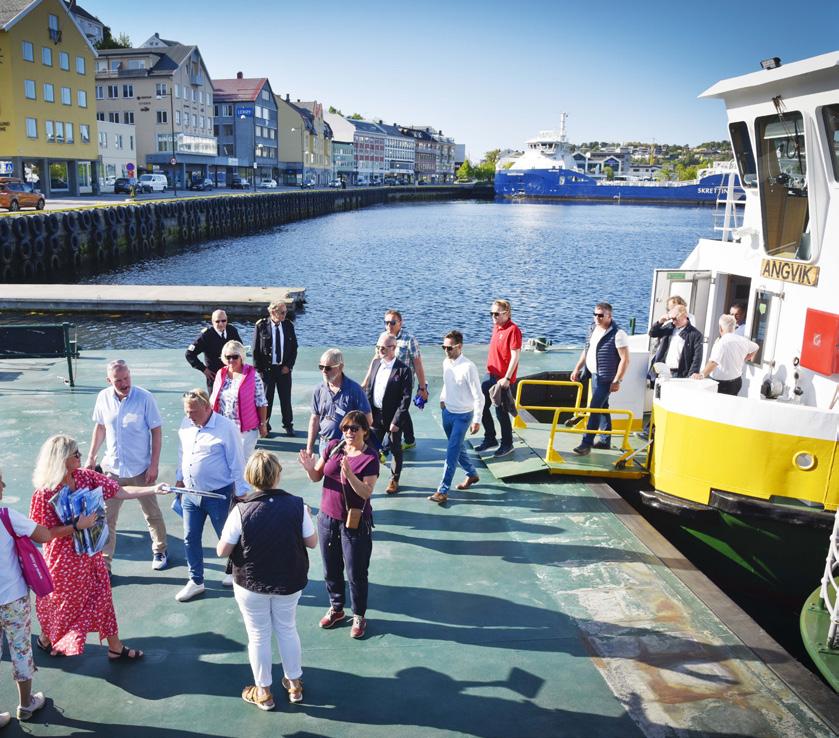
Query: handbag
{"x": 32, "y": 563}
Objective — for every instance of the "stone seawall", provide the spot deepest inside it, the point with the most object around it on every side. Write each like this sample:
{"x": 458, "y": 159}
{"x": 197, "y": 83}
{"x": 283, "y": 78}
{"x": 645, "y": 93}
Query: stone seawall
{"x": 40, "y": 246}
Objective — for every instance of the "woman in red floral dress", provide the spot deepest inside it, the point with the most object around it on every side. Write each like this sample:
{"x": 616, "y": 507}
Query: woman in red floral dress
{"x": 81, "y": 602}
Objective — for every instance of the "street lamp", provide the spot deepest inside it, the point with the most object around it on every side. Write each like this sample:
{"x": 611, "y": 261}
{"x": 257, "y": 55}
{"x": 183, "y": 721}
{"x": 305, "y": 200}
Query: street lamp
{"x": 174, "y": 160}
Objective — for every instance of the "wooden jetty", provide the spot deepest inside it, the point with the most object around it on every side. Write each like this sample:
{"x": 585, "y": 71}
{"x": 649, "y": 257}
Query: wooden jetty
{"x": 135, "y": 298}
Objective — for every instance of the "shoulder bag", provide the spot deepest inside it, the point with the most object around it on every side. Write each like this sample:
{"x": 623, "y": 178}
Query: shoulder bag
{"x": 32, "y": 563}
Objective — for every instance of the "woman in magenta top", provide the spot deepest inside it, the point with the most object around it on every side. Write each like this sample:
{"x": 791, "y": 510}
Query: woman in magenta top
{"x": 349, "y": 469}
{"x": 239, "y": 395}
{"x": 81, "y": 602}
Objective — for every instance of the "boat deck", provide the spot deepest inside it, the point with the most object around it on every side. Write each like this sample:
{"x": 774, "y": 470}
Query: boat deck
{"x": 543, "y": 606}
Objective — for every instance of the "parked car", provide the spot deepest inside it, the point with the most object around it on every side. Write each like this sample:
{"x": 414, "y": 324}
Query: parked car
{"x": 153, "y": 183}
{"x": 238, "y": 183}
{"x": 124, "y": 184}
{"x": 16, "y": 194}
{"x": 337, "y": 184}
{"x": 202, "y": 184}
{"x": 268, "y": 184}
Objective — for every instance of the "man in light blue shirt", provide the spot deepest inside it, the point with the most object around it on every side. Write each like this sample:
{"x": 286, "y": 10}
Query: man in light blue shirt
{"x": 209, "y": 460}
{"x": 128, "y": 421}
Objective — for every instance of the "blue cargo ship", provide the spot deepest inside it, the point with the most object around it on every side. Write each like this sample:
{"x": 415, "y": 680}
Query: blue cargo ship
{"x": 548, "y": 169}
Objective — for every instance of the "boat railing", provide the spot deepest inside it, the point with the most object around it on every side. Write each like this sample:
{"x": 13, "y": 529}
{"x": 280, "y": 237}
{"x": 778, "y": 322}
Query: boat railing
{"x": 577, "y": 423}
{"x": 829, "y": 586}
{"x": 731, "y": 201}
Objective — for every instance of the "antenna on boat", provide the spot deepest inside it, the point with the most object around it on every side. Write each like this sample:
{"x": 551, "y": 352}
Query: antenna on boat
{"x": 562, "y": 131}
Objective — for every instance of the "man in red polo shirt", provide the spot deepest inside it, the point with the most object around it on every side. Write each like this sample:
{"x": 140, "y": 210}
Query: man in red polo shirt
{"x": 502, "y": 362}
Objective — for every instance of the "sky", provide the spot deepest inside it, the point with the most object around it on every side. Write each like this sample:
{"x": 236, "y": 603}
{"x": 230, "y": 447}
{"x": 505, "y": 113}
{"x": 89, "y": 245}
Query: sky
{"x": 492, "y": 74}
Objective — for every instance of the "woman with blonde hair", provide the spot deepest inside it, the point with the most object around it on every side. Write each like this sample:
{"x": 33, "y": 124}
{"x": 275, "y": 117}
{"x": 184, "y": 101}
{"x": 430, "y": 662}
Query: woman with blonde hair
{"x": 81, "y": 602}
{"x": 266, "y": 535}
{"x": 239, "y": 395}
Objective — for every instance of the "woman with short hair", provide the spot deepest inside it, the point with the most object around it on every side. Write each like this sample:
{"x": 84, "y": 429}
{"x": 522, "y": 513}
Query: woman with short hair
{"x": 349, "y": 468}
{"x": 239, "y": 395}
{"x": 81, "y": 602}
{"x": 266, "y": 536}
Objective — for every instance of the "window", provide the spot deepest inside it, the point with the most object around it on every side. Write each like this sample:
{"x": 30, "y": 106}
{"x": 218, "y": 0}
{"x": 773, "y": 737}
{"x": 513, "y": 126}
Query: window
{"x": 177, "y": 90}
{"x": 84, "y": 132}
{"x": 743, "y": 153}
{"x": 194, "y": 96}
{"x": 100, "y": 116}
{"x": 32, "y": 128}
{"x": 117, "y": 141}
{"x": 215, "y": 110}
{"x": 113, "y": 91}
{"x": 113, "y": 117}
{"x": 782, "y": 170}
{"x": 200, "y": 121}
{"x": 178, "y": 117}
{"x": 128, "y": 116}
{"x": 101, "y": 65}
{"x": 28, "y": 51}
{"x": 227, "y": 110}
{"x": 115, "y": 65}
{"x": 194, "y": 120}
{"x": 100, "y": 92}
{"x": 68, "y": 127}
{"x": 160, "y": 89}
{"x": 66, "y": 96}
{"x": 46, "y": 56}
{"x": 103, "y": 139}
{"x": 81, "y": 98}
{"x": 128, "y": 90}
{"x": 136, "y": 63}
{"x": 830, "y": 113}
{"x": 162, "y": 117}
{"x": 64, "y": 60}
{"x": 80, "y": 66}
{"x": 265, "y": 95}
{"x": 131, "y": 143}
{"x": 29, "y": 89}
{"x": 49, "y": 92}
{"x": 227, "y": 130}
{"x": 59, "y": 132}
{"x": 50, "y": 131}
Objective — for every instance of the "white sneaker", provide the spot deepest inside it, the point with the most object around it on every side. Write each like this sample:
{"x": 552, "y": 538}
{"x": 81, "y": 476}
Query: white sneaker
{"x": 228, "y": 580}
{"x": 160, "y": 561}
{"x": 5, "y": 719}
{"x": 189, "y": 591}
{"x": 36, "y": 702}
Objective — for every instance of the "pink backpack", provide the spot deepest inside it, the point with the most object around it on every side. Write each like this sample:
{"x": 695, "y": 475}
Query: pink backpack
{"x": 32, "y": 564}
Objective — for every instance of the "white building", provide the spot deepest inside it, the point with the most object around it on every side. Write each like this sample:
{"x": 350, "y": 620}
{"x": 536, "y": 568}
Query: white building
{"x": 117, "y": 152}
{"x": 400, "y": 155}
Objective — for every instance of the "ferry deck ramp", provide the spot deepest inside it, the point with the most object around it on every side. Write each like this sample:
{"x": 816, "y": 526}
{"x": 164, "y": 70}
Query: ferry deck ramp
{"x": 541, "y": 607}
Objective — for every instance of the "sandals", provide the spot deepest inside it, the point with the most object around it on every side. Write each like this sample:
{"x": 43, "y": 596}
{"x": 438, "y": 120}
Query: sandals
{"x": 127, "y": 654}
{"x": 294, "y": 687}
{"x": 251, "y": 694}
{"x": 47, "y": 648}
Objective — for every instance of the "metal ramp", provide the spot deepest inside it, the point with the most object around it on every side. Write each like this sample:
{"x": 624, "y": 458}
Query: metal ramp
{"x": 548, "y": 445}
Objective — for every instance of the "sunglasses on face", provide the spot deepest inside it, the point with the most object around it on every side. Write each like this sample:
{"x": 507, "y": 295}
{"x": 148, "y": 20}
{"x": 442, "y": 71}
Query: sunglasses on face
{"x": 447, "y": 349}
{"x": 232, "y": 357}
{"x": 76, "y": 454}
{"x": 599, "y": 315}
{"x": 496, "y": 313}
{"x": 327, "y": 367}
{"x": 351, "y": 428}
{"x": 219, "y": 321}
{"x": 386, "y": 348}
{"x": 390, "y": 322}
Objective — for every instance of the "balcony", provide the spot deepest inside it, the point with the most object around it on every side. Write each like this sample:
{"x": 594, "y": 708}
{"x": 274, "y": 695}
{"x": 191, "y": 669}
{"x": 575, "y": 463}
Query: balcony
{"x": 55, "y": 35}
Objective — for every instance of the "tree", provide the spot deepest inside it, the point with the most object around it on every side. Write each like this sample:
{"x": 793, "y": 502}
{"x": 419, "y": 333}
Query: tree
{"x": 336, "y": 111}
{"x": 356, "y": 116}
{"x": 465, "y": 171}
{"x": 609, "y": 172}
{"x": 491, "y": 157}
{"x": 122, "y": 41}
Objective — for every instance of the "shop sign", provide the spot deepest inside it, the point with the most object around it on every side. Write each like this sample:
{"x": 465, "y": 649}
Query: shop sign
{"x": 6, "y": 168}
{"x": 790, "y": 271}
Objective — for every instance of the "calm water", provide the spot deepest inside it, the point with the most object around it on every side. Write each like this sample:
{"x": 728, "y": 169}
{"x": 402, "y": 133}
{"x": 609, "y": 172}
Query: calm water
{"x": 441, "y": 264}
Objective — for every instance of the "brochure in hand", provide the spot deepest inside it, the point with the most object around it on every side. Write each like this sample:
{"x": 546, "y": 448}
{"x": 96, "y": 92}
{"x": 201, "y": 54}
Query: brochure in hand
{"x": 83, "y": 501}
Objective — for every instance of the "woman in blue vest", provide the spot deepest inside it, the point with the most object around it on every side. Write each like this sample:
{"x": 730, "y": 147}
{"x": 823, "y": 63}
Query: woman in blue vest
{"x": 266, "y": 535}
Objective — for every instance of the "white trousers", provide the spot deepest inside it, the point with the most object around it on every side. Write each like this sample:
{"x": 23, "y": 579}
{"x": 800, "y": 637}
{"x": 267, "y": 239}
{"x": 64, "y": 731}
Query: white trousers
{"x": 249, "y": 439}
{"x": 264, "y": 614}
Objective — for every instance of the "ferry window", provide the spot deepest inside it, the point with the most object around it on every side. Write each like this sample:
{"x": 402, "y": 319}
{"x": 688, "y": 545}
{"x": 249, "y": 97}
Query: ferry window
{"x": 743, "y": 153}
{"x": 831, "y": 124}
{"x": 760, "y": 323}
{"x": 782, "y": 173}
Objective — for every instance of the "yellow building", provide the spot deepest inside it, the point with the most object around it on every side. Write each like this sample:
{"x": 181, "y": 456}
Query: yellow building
{"x": 47, "y": 100}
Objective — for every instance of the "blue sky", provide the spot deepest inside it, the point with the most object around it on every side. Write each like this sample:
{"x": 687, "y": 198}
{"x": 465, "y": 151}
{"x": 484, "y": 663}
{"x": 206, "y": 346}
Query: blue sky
{"x": 490, "y": 73}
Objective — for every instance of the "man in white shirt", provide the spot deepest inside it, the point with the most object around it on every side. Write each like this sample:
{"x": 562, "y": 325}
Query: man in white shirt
{"x": 209, "y": 460}
{"x": 128, "y": 421}
{"x": 462, "y": 401}
{"x": 730, "y": 352}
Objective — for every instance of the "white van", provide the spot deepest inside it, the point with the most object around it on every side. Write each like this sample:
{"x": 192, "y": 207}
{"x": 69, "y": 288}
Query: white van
{"x": 153, "y": 183}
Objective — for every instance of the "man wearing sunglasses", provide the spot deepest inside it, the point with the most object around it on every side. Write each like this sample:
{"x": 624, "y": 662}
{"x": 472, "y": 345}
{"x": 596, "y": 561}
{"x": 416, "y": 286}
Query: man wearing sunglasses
{"x": 333, "y": 399}
{"x": 274, "y": 354}
{"x": 209, "y": 342}
{"x": 462, "y": 402}
{"x": 605, "y": 358}
{"x": 389, "y": 393}
{"x": 502, "y": 363}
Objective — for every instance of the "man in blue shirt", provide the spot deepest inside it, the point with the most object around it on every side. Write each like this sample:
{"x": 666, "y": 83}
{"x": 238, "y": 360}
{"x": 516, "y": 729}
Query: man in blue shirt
{"x": 333, "y": 399}
{"x": 209, "y": 460}
{"x": 128, "y": 420}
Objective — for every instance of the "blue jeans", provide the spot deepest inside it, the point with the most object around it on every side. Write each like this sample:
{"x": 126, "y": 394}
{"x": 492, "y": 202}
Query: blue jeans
{"x": 196, "y": 510}
{"x": 503, "y": 416}
{"x": 456, "y": 426}
{"x": 599, "y": 398}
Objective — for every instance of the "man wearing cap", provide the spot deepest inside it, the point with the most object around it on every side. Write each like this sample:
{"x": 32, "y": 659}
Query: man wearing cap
{"x": 209, "y": 342}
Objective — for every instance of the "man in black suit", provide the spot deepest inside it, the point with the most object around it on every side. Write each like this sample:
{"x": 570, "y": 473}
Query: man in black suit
{"x": 389, "y": 392}
{"x": 274, "y": 354}
{"x": 680, "y": 344}
{"x": 210, "y": 342}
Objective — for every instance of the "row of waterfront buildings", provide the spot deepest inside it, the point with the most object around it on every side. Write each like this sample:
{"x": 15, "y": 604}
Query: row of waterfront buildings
{"x": 73, "y": 118}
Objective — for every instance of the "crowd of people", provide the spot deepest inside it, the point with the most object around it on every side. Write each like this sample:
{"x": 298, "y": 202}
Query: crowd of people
{"x": 263, "y": 530}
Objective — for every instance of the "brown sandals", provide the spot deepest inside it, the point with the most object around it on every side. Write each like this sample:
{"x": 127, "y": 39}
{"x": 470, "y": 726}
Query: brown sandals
{"x": 251, "y": 694}
{"x": 294, "y": 687}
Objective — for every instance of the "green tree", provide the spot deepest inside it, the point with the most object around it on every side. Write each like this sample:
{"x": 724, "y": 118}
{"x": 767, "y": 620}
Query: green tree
{"x": 336, "y": 111}
{"x": 491, "y": 158}
{"x": 122, "y": 41}
{"x": 356, "y": 116}
{"x": 609, "y": 172}
{"x": 465, "y": 171}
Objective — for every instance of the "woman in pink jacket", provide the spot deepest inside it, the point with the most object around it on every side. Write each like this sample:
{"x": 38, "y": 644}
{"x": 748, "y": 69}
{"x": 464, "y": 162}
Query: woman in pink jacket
{"x": 239, "y": 395}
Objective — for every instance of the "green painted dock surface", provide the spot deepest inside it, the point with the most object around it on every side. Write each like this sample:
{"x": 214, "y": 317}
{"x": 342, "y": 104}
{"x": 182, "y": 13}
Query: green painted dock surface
{"x": 539, "y": 607}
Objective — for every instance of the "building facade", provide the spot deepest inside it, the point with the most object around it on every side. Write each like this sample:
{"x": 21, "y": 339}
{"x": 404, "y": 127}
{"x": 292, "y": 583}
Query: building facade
{"x": 47, "y": 107}
{"x": 90, "y": 25}
{"x": 117, "y": 152}
{"x": 164, "y": 89}
{"x": 425, "y": 166}
{"x": 320, "y": 145}
{"x": 246, "y": 126}
{"x": 369, "y": 152}
{"x": 400, "y": 155}
{"x": 343, "y": 148}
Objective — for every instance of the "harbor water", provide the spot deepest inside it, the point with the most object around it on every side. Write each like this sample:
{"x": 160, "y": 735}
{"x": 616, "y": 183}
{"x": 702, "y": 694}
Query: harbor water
{"x": 441, "y": 264}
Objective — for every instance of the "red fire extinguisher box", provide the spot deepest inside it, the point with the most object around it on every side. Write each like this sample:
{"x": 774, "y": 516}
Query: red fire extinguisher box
{"x": 820, "y": 349}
